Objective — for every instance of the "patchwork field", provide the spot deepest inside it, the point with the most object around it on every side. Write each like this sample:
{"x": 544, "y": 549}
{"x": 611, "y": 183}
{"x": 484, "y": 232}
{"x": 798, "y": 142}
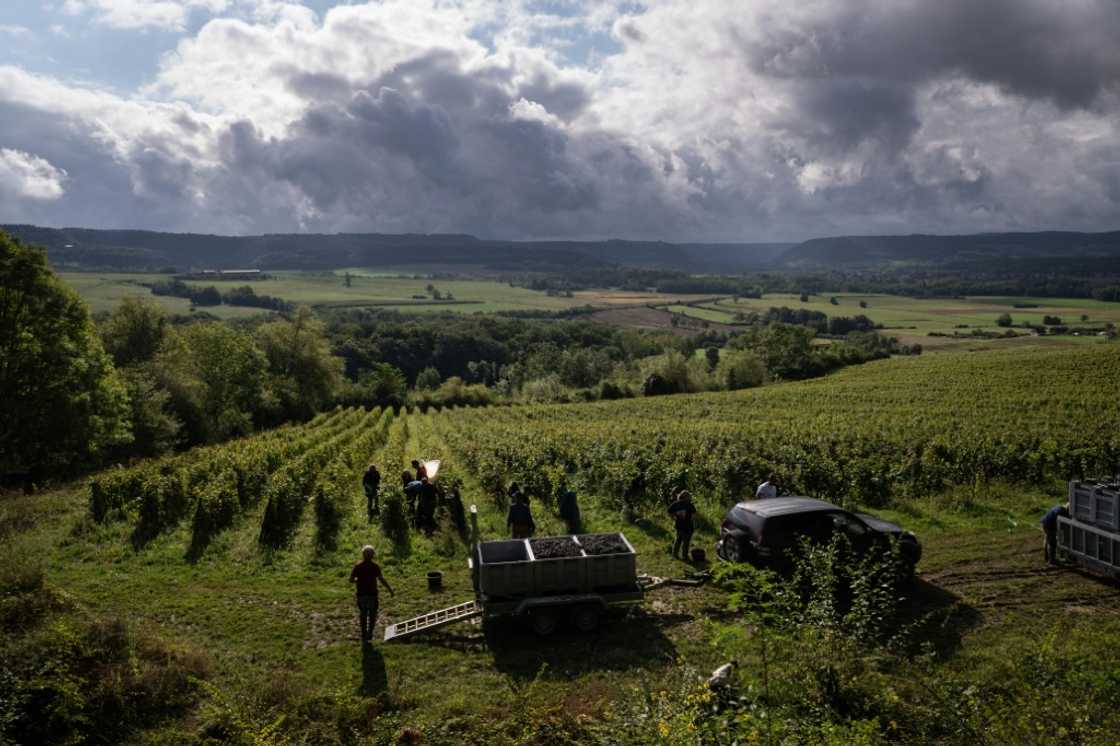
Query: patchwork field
{"x": 919, "y": 316}
{"x": 103, "y": 291}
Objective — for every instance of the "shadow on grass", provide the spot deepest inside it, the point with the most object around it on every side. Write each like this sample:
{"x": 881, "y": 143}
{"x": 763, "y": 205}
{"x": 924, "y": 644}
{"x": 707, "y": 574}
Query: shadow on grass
{"x": 375, "y": 680}
{"x": 937, "y": 617}
{"x": 625, "y": 641}
{"x": 653, "y": 530}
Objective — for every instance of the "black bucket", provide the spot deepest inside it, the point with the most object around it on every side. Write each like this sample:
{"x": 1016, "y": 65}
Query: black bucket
{"x": 698, "y": 555}
{"x": 435, "y": 580}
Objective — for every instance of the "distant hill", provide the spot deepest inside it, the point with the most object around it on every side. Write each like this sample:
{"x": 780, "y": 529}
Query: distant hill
{"x": 82, "y": 248}
{"x": 850, "y": 252}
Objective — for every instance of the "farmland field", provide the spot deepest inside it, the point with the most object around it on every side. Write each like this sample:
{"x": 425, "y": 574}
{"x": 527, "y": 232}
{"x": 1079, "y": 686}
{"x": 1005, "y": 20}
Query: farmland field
{"x": 916, "y": 317}
{"x": 103, "y": 291}
{"x": 240, "y": 551}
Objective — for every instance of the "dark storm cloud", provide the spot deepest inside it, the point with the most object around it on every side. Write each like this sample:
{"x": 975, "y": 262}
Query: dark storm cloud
{"x": 841, "y": 117}
{"x": 839, "y": 114}
{"x": 429, "y": 137}
{"x": 99, "y": 186}
{"x": 1065, "y": 52}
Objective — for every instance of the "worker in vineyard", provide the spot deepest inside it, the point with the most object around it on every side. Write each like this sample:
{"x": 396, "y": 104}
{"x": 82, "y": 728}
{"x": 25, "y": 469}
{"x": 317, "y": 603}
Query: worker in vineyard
{"x": 426, "y": 506}
{"x": 683, "y": 511}
{"x": 365, "y": 576}
{"x": 569, "y": 511}
{"x": 419, "y": 469}
{"x": 515, "y": 492}
{"x": 520, "y": 519}
{"x": 1049, "y": 525}
{"x": 371, "y": 482}
{"x": 769, "y": 488}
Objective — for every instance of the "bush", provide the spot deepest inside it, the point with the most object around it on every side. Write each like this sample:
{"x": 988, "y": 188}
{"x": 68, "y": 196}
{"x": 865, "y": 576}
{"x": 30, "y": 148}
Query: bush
{"x": 1004, "y": 319}
{"x": 394, "y": 519}
{"x": 331, "y": 503}
{"x": 428, "y": 379}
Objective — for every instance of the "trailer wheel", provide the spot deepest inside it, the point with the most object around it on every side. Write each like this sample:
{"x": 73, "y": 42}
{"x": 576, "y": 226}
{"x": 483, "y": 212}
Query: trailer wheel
{"x": 586, "y": 618}
{"x": 543, "y": 621}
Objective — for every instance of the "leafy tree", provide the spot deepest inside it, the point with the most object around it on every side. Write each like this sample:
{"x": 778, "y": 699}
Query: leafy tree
{"x": 428, "y": 379}
{"x": 207, "y": 296}
{"x": 1052, "y": 320}
{"x": 135, "y": 331}
{"x": 785, "y": 349}
{"x": 155, "y": 430}
{"x": 215, "y": 375}
{"x": 712, "y": 356}
{"x": 1004, "y": 319}
{"x": 63, "y": 402}
{"x": 303, "y": 373}
{"x": 833, "y": 301}
{"x": 742, "y": 370}
{"x": 385, "y": 385}
{"x": 348, "y": 279}
{"x": 863, "y": 304}
{"x": 804, "y": 298}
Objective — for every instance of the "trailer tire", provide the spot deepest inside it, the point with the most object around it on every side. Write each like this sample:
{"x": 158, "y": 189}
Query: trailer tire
{"x": 586, "y": 618}
{"x": 543, "y": 621}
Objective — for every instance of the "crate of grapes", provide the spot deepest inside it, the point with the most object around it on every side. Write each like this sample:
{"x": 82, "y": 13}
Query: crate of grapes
{"x": 546, "y": 581}
{"x": 610, "y": 560}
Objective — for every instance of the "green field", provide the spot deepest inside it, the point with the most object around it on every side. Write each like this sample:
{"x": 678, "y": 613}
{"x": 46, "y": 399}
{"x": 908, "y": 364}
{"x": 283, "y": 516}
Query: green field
{"x": 103, "y": 291}
{"x": 275, "y": 630}
{"x": 914, "y": 317}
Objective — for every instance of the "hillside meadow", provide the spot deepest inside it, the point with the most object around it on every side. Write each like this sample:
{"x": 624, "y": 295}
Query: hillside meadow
{"x": 257, "y": 639}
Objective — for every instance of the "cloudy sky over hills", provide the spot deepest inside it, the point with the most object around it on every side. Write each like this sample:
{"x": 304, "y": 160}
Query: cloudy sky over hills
{"x": 674, "y": 119}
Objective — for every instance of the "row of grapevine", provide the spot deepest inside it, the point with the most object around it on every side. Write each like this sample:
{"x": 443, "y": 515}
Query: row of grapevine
{"x": 229, "y": 485}
{"x": 163, "y": 485}
{"x": 899, "y": 427}
{"x": 339, "y": 481}
{"x": 290, "y": 487}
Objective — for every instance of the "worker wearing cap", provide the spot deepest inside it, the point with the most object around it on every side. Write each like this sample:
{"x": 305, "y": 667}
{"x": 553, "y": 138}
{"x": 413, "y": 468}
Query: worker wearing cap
{"x": 365, "y": 577}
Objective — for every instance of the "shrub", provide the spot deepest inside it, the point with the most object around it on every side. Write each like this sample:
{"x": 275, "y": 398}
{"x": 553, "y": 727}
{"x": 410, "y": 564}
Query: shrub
{"x": 394, "y": 519}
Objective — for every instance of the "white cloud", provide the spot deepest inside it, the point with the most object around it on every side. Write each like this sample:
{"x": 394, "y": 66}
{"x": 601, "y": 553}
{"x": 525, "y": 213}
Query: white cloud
{"x": 19, "y": 32}
{"x": 763, "y": 122}
{"x": 26, "y": 175}
{"x": 142, "y": 14}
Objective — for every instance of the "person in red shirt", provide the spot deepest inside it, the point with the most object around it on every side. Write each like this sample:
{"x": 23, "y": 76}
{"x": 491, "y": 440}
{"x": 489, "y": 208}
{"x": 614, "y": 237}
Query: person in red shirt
{"x": 365, "y": 577}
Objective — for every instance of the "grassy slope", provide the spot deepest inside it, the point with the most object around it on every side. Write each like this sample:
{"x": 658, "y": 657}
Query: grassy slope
{"x": 286, "y": 620}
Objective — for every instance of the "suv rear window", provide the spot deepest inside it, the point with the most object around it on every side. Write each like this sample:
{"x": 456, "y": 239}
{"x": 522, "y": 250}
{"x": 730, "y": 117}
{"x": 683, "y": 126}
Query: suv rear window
{"x": 746, "y": 519}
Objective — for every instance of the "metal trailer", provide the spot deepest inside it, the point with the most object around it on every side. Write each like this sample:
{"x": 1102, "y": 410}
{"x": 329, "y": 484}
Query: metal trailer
{"x": 510, "y": 581}
{"x": 1090, "y": 537}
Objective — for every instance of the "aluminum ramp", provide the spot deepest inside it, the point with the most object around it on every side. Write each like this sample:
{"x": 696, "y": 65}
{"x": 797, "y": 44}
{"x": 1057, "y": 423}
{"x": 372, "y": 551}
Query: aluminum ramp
{"x": 432, "y": 620}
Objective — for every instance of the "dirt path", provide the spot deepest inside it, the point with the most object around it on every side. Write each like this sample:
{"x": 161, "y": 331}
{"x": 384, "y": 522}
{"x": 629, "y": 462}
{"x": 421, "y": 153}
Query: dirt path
{"x": 1005, "y": 573}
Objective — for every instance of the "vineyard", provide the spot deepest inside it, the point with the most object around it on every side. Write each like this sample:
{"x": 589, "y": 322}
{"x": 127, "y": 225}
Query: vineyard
{"x": 242, "y": 550}
{"x": 285, "y": 468}
{"x": 895, "y": 429}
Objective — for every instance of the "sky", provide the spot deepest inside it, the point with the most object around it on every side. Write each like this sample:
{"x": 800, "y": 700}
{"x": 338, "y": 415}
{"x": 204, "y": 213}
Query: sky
{"x": 677, "y": 120}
